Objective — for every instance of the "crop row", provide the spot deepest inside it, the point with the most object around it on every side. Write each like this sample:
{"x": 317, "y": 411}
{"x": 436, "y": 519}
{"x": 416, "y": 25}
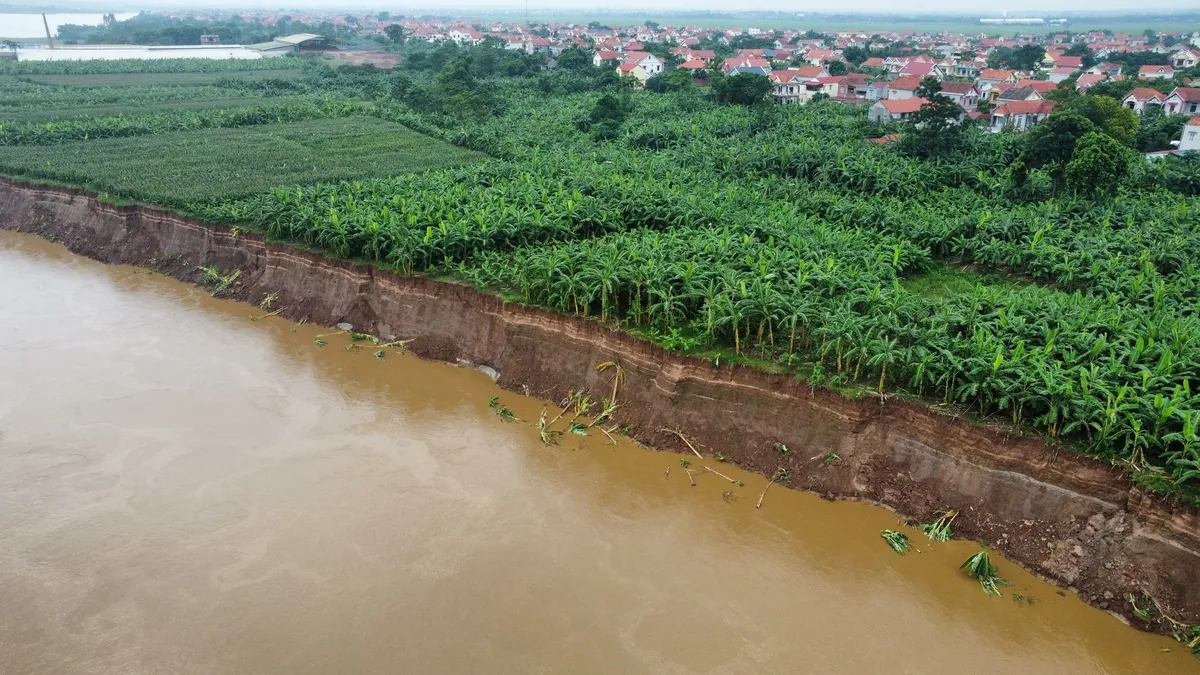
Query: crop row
{"x": 179, "y": 167}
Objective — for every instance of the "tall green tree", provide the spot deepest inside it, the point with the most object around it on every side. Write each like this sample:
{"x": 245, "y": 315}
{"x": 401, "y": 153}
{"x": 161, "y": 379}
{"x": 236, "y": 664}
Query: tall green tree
{"x": 395, "y": 33}
{"x": 1025, "y": 57}
{"x": 1051, "y": 143}
{"x": 1097, "y": 165}
{"x": 575, "y": 58}
{"x": 1108, "y": 115}
{"x": 937, "y": 128}
{"x": 743, "y": 89}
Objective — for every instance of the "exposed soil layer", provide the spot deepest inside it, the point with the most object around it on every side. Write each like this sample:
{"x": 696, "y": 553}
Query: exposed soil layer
{"x": 1074, "y": 521}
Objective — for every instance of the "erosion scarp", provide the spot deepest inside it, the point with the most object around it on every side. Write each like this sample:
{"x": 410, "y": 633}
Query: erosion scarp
{"x": 1075, "y": 521}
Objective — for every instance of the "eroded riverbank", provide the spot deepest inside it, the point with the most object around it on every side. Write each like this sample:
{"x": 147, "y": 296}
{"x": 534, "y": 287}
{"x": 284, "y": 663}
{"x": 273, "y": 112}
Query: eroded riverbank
{"x": 184, "y": 489}
{"x": 1074, "y": 521}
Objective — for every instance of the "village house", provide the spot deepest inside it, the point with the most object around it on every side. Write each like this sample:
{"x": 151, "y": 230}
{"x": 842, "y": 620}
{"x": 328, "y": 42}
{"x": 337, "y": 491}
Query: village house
{"x": 789, "y": 85}
{"x": 884, "y": 111}
{"x": 1183, "y": 100}
{"x": 465, "y": 36}
{"x": 633, "y": 70}
{"x": 605, "y": 58}
{"x": 990, "y": 76}
{"x": 746, "y": 64}
{"x": 1015, "y": 93}
{"x": 963, "y": 93}
{"x": 649, "y": 62}
{"x": 810, "y": 72}
{"x": 1141, "y": 98}
{"x": 1185, "y": 58}
{"x": 903, "y": 88}
{"x": 1155, "y": 72}
{"x": 968, "y": 69}
{"x": 1087, "y": 80}
{"x": 1020, "y": 115}
{"x": 877, "y": 90}
{"x": 1072, "y": 62}
{"x": 1059, "y": 74}
{"x": 1190, "y": 140}
{"x": 1106, "y": 68}
{"x": 856, "y": 86}
{"x": 919, "y": 69}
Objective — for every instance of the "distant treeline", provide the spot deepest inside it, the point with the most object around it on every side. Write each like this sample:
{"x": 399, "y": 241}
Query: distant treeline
{"x": 155, "y": 29}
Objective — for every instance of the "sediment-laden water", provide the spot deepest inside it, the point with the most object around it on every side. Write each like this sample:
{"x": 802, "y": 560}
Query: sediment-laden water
{"x": 184, "y": 490}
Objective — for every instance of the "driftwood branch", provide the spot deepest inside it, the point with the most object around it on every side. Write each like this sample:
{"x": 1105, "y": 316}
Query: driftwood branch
{"x": 712, "y": 470}
{"x": 774, "y": 479}
{"x": 256, "y": 318}
{"x": 684, "y": 439}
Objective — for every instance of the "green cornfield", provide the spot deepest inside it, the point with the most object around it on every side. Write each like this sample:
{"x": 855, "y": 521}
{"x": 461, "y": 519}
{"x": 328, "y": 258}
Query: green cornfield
{"x": 176, "y": 168}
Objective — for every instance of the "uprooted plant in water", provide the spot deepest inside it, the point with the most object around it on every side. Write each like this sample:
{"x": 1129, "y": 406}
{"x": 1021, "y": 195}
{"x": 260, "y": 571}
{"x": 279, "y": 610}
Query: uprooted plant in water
{"x": 501, "y": 411}
{"x": 979, "y": 566}
{"x": 939, "y": 530}
{"x": 897, "y": 540}
{"x": 1151, "y": 611}
{"x": 215, "y": 281}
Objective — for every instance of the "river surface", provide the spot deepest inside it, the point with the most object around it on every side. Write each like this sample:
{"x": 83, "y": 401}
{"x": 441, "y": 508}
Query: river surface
{"x": 184, "y": 490}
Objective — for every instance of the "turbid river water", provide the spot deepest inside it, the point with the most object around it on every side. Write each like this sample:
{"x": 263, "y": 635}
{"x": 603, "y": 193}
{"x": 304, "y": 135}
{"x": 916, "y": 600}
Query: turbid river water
{"x": 183, "y": 490}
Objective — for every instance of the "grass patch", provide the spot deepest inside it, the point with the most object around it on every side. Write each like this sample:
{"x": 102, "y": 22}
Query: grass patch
{"x": 157, "y": 79}
{"x": 176, "y": 168}
{"x": 945, "y": 282}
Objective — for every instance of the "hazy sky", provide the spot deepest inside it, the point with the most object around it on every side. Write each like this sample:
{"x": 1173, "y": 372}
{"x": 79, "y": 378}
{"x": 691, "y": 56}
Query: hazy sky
{"x": 661, "y": 7}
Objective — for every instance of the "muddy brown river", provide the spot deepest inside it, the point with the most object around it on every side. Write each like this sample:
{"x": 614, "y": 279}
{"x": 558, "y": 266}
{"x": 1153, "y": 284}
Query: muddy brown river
{"x": 184, "y": 490}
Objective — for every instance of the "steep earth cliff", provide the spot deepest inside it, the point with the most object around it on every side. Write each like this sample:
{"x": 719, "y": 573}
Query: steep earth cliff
{"x": 1071, "y": 520}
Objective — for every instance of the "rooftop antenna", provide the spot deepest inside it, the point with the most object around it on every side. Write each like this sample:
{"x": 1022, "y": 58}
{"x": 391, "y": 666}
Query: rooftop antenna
{"x": 49, "y": 40}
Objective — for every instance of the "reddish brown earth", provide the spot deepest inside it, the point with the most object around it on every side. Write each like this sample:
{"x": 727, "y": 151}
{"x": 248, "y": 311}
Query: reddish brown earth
{"x": 1072, "y": 520}
{"x": 376, "y": 58}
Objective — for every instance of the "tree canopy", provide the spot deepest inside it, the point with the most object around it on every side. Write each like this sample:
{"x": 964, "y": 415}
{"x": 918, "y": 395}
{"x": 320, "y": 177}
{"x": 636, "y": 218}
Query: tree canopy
{"x": 743, "y": 89}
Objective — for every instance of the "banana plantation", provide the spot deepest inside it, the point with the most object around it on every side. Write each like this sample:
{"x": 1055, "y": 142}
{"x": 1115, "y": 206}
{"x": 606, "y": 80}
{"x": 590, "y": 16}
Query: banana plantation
{"x": 769, "y": 235}
{"x": 780, "y": 236}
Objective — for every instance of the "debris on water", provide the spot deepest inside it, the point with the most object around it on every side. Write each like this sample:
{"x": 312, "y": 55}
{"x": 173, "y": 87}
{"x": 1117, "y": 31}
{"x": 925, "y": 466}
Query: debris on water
{"x": 486, "y": 370}
{"x": 345, "y": 326}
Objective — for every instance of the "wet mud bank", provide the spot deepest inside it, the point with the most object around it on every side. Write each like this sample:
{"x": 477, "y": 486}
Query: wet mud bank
{"x": 1074, "y": 521}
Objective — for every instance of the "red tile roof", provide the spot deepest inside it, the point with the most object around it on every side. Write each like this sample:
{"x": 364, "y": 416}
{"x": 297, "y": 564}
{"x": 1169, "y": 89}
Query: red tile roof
{"x": 1034, "y": 107}
{"x": 1145, "y": 94}
{"x": 809, "y": 71}
{"x": 957, "y": 87}
{"x": 907, "y": 83}
{"x": 991, "y": 74}
{"x": 907, "y": 105}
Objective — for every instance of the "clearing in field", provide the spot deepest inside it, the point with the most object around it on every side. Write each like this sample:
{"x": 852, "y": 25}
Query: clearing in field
{"x": 157, "y": 79}
{"x": 80, "y": 112}
{"x": 191, "y": 166}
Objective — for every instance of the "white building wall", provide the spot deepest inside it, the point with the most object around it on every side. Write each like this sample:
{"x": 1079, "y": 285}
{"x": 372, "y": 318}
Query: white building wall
{"x": 1190, "y": 140}
{"x": 148, "y": 53}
